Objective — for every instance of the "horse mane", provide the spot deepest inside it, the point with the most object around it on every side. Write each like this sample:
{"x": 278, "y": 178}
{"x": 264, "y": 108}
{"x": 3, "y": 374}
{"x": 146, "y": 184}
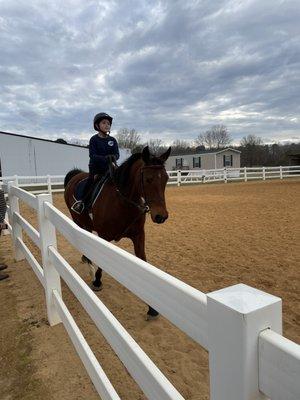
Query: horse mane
{"x": 122, "y": 173}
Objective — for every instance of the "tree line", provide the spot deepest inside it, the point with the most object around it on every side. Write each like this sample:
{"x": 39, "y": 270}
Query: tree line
{"x": 254, "y": 152}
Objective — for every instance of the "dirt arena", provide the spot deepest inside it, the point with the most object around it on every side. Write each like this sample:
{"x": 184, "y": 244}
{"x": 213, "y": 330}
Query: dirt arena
{"x": 217, "y": 235}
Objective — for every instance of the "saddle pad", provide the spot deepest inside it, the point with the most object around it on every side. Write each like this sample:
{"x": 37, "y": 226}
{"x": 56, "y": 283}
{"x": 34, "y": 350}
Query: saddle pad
{"x": 78, "y": 193}
{"x": 98, "y": 186}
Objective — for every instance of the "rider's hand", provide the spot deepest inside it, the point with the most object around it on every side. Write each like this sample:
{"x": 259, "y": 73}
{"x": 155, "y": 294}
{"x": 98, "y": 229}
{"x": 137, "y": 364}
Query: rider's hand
{"x": 111, "y": 158}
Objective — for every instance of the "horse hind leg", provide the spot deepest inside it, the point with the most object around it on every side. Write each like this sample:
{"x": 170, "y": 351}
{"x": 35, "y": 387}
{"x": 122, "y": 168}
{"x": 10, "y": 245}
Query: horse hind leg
{"x": 85, "y": 223}
{"x": 85, "y": 260}
{"x": 97, "y": 283}
{"x": 151, "y": 314}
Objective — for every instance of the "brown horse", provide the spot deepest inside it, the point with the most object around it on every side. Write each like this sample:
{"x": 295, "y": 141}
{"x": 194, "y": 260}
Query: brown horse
{"x": 135, "y": 187}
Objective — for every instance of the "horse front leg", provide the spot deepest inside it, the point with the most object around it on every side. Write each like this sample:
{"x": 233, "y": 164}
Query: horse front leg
{"x": 139, "y": 249}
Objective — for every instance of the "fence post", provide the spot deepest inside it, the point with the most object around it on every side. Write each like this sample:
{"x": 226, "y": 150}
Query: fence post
{"x": 245, "y": 174}
{"x": 178, "y": 178}
{"x": 280, "y": 171}
{"x": 225, "y": 175}
{"x": 264, "y": 173}
{"x": 49, "y": 184}
{"x": 16, "y": 228}
{"x": 236, "y": 316}
{"x": 51, "y": 276}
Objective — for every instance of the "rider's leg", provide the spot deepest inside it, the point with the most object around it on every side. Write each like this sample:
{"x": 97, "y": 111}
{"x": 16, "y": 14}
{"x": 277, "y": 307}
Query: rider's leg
{"x": 80, "y": 205}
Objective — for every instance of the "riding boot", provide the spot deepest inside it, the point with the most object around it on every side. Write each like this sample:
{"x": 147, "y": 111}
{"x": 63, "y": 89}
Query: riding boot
{"x": 81, "y": 205}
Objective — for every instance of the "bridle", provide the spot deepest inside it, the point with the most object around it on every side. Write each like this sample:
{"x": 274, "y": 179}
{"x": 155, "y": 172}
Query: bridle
{"x": 155, "y": 167}
{"x": 143, "y": 208}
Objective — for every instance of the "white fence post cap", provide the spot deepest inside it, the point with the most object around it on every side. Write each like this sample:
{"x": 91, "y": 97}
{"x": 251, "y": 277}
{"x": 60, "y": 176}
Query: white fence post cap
{"x": 243, "y": 298}
{"x": 236, "y": 316}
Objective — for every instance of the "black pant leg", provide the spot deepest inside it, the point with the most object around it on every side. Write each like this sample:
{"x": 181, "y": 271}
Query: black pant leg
{"x": 88, "y": 186}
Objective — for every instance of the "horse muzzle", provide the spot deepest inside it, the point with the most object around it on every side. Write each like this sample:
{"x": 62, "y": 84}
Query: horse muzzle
{"x": 160, "y": 219}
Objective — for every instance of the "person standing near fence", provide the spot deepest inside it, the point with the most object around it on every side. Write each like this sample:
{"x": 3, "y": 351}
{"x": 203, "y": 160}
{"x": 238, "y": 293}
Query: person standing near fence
{"x": 2, "y": 226}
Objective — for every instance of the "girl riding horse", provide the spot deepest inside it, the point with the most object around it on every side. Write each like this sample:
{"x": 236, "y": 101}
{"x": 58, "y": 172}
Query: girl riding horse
{"x": 136, "y": 187}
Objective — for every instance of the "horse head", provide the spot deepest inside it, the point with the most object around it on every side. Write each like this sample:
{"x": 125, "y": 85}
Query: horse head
{"x": 154, "y": 178}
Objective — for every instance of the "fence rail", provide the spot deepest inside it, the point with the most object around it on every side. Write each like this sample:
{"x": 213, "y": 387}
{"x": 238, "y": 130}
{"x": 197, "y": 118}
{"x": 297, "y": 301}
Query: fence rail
{"x": 279, "y": 371}
{"x": 229, "y": 323}
{"x": 54, "y": 183}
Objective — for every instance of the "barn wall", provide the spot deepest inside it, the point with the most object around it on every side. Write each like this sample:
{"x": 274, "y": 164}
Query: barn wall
{"x": 28, "y": 156}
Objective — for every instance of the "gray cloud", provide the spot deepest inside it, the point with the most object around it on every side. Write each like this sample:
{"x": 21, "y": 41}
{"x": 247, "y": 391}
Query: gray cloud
{"x": 167, "y": 68}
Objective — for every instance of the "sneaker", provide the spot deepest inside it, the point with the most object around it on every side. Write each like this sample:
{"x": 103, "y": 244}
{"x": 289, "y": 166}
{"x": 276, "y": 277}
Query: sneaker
{"x": 3, "y": 276}
{"x": 2, "y": 267}
{"x": 78, "y": 207}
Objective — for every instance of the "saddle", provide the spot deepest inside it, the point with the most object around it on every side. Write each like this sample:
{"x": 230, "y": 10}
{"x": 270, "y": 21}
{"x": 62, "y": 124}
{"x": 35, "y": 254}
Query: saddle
{"x": 95, "y": 191}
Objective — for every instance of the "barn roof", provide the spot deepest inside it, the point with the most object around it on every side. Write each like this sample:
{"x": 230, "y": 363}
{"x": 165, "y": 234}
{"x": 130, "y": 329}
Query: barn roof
{"x": 44, "y": 140}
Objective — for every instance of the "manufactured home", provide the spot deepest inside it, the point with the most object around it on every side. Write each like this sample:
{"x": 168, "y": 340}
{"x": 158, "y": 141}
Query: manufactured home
{"x": 216, "y": 159}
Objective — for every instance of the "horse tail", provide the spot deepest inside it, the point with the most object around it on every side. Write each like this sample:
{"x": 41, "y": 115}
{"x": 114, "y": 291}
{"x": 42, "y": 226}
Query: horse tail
{"x": 70, "y": 175}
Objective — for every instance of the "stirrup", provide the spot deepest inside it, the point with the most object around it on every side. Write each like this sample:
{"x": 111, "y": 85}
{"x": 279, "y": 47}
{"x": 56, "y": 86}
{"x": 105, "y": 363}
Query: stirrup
{"x": 78, "y": 207}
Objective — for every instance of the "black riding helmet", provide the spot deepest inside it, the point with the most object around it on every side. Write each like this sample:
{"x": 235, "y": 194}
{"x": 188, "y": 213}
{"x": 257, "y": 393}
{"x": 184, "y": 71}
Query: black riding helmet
{"x": 99, "y": 117}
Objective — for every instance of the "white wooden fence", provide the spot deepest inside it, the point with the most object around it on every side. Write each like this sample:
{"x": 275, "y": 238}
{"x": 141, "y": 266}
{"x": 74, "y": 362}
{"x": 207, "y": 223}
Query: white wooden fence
{"x": 232, "y": 174}
{"x": 54, "y": 183}
{"x": 240, "y": 326}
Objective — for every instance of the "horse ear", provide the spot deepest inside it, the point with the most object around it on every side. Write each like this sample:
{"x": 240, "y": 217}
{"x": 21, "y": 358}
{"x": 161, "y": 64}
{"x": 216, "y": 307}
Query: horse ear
{"x": 165, "y": 156}
{"x": 146, "y": 155}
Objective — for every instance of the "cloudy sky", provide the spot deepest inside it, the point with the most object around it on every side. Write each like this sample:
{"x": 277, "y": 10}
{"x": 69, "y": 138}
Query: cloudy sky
{"x": 170, "y": 69}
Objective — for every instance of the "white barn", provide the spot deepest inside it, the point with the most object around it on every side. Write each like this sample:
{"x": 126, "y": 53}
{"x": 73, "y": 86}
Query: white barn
{"x": 31, "y": 156}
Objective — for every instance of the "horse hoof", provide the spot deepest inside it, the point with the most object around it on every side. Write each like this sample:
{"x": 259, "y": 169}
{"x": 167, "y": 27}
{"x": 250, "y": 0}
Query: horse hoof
{"x": 151, "y": 317}
{"x": 85, "y": 260}
{"x": 97, "y": 288}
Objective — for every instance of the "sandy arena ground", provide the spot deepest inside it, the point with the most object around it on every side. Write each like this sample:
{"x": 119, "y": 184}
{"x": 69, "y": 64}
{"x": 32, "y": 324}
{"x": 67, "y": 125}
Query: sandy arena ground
{"x": 217, "y": 235}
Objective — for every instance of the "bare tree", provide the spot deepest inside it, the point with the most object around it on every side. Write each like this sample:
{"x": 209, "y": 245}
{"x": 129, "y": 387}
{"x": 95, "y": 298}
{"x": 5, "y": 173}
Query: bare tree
{"x": 252, "y": 151}
{"x": 251, "y": 140}
{"x": 156, "y": 146}
{"x": 180, "y": 147}
{"x": 215, "y": 138}
{"x": 128, "y": 138}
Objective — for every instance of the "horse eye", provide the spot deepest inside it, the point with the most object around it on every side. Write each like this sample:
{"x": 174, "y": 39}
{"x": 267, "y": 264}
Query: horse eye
{"x": 149, "y": 180}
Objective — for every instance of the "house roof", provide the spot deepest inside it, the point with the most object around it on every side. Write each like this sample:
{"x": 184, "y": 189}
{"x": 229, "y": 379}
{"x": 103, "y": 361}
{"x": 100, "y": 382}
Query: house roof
{"x": 44, "y": 140}
{"x": 228, "y": 148}
{"x": 206, "y": 152}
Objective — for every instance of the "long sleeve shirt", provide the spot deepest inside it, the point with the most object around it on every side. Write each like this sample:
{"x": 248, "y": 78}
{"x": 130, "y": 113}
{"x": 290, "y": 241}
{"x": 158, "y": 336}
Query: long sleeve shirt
{"x": 2, "y": 206}
{"x": 99, "y": 148}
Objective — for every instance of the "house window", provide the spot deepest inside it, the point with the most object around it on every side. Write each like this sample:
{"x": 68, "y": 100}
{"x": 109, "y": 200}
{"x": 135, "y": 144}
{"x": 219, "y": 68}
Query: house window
{"x": 227, "y": 160}
{"x": 179, "y": 162}
{"x": 196, "y": 162}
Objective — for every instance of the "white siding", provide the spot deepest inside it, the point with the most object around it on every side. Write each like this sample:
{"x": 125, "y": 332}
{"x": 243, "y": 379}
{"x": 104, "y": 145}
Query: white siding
{"x": 208, "y": 160}
{"x": 236, "y": 157}
{"x": 25, "y": 156}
